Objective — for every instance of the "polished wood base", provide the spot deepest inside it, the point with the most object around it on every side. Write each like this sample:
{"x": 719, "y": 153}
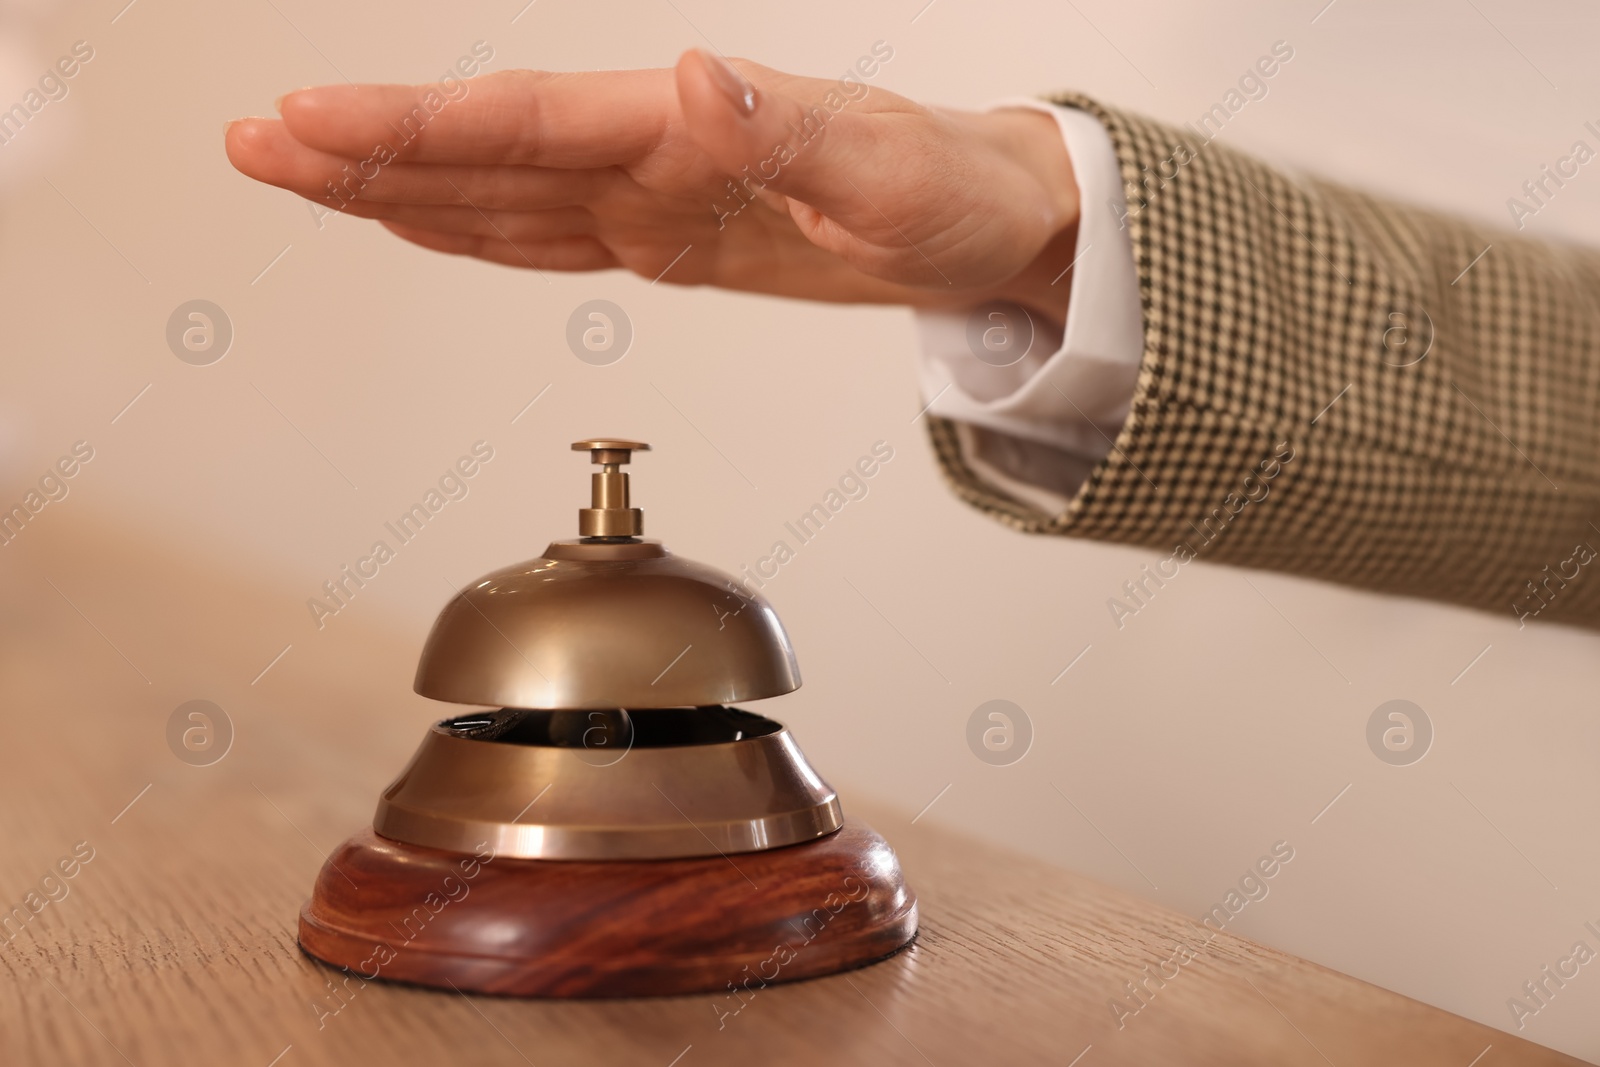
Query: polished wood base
{"x": 561, "y": 928}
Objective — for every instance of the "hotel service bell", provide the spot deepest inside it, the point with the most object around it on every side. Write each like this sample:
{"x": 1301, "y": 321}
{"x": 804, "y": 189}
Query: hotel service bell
{"x": 613, "y": 825}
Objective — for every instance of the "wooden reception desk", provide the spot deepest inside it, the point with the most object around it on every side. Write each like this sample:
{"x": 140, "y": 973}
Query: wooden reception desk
{"x": 173, "y": 939}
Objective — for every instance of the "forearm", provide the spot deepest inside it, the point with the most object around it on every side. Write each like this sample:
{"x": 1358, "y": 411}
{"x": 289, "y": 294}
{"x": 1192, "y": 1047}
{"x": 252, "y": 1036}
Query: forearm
{"x": 1462, "y": 475}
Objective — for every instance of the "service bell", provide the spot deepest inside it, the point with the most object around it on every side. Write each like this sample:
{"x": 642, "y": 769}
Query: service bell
{"x": 611, "y": 826}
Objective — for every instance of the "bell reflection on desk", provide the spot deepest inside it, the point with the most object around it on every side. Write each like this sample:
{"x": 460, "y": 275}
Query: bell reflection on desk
{"x": 615, "y": 828}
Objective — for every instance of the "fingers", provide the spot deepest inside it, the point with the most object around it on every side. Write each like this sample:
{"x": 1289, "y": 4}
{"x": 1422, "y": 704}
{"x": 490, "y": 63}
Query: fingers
{"x": 570, "y": 120}
{"x": 519, "y": 227}
{"x": 562, "y": 254}
{"x": 265, "y": 150}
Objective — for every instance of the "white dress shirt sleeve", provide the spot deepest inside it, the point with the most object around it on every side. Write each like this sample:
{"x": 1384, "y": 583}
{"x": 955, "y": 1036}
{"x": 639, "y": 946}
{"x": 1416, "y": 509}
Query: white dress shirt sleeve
{"x": 1048, "y": 417}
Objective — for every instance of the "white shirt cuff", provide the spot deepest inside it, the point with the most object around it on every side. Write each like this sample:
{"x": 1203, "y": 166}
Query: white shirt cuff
{"x": 1070, "y": 392}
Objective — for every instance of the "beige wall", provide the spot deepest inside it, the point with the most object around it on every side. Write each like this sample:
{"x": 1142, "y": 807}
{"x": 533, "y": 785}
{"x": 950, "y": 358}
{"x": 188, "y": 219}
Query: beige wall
{"x": 1220, "y": 720}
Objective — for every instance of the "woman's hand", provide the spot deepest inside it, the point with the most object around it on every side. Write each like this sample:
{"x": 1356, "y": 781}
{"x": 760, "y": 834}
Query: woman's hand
{"x": 769, "y": 190}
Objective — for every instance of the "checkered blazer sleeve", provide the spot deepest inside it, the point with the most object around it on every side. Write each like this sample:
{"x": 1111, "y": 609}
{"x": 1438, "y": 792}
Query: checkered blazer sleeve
{"x": 1338, "y": 386}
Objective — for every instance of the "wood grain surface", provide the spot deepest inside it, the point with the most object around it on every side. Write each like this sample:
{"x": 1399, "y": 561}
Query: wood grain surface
{"x": 726, "y": 925}
{"x": 172, "y": 941}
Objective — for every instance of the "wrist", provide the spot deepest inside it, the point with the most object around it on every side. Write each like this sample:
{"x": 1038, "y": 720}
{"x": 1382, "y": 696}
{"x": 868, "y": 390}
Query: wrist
{"x": 1031, "y": 143}
{"x": 1044, "y": 286}
{"x": 1038, "y": 148}
{"x": 1032, "y": 140}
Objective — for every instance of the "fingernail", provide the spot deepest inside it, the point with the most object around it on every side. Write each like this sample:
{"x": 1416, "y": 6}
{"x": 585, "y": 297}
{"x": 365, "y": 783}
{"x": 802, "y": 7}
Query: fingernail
{"x": 277, "y": 105}
{"x": 733, "y": 85}
{"x": 226, "y": 126}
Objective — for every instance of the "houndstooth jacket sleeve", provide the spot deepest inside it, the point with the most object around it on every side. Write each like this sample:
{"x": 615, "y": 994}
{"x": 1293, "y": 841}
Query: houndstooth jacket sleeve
{"x": 1329, "y": 389}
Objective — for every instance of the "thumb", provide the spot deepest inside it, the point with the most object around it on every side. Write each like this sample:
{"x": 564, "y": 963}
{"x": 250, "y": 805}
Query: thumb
{"x": 790, "y": 135}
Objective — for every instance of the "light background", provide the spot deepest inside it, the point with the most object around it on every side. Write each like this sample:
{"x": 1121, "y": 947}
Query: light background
{"x": 1177, "y": 750}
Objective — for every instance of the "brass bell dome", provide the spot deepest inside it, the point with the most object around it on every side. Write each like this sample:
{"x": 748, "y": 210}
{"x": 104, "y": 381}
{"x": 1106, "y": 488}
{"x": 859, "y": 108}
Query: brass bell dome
{"x": 611, "y": 663}
{"x": 607, "y": 620}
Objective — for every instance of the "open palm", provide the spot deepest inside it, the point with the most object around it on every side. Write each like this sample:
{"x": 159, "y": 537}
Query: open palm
{"x": 694, "y": 175}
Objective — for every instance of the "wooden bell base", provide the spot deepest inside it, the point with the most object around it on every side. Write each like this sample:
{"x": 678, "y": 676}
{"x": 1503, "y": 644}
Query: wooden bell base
{"x": 566, "y": 928}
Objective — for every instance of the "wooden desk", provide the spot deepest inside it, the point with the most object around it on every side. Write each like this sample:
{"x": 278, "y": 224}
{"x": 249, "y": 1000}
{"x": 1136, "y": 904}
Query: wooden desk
{"x": 175, "y": 943}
